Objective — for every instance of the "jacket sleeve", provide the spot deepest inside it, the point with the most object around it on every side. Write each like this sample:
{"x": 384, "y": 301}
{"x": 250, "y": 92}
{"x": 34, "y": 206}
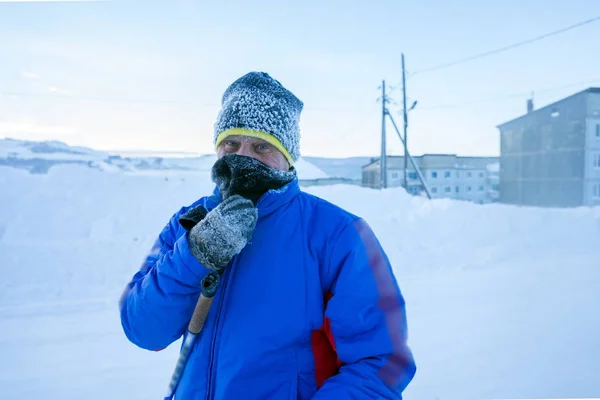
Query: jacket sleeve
{"x": 367, "y": 318}
{"x": 157, "y": 304}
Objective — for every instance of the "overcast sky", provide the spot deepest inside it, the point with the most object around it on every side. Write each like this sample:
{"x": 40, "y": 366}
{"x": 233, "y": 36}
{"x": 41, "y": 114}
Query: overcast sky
{"x": 150, "y": 74}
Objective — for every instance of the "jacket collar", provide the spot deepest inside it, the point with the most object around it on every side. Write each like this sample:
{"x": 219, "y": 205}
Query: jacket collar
{"x": 268, "y": 203}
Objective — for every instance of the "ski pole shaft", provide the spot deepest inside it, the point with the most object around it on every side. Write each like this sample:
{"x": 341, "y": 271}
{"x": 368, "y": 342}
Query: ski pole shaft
{"x": 209, "y": 287}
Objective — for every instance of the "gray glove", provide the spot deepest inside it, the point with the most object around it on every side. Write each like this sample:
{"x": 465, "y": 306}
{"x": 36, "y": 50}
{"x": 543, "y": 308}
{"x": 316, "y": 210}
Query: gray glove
{"x": 224, "y": 232}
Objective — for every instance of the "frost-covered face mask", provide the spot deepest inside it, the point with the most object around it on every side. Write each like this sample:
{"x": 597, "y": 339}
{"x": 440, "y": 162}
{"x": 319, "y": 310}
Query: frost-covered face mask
{"x": 248, "y": 177}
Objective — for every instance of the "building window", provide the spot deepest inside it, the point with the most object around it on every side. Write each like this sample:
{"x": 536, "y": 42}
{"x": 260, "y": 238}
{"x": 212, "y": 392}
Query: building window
{"x": 434, "y": 174}
{"x": 447, "y": 174}
{"x": 448, "y": 189}
{"x": 597, "y": 191}
{"x": 598, "y": 131}
{"x": 433, "y": 190}
{"x": 597, "y": 160}
{"x": 412, "y": 175}
{"x": 394, "y": 175}
{"x": 481, "y": 188}
{"x": 457, "y": 174}
{"x": 468, "y": 188}
{"x": 481, "y": 174}
{"x": 457, "y": 189}
{"x": 469, "y": 174}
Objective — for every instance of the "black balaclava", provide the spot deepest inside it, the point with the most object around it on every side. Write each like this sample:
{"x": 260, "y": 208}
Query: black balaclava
{"x": 248, "y": 177}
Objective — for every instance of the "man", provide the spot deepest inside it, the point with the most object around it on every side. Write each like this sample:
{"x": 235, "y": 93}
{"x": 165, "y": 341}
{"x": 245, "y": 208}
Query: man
{"x": 307, "y": 306}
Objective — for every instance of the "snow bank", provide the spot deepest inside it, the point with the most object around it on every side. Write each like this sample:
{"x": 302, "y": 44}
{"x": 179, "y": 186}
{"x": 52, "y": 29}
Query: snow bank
{"x": 77, "y": 232}
{"x": 502, "y": 301}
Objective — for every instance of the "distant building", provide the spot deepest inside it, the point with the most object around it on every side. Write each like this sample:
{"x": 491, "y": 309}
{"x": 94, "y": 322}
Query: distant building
{"x": 551, "y": 157}
{"x": 446, "y": 175}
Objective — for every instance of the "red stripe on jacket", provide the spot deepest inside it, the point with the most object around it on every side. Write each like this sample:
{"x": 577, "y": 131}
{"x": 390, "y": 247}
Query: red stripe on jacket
{"x": 390, "y": 303}
{"x": 327, "y": 363}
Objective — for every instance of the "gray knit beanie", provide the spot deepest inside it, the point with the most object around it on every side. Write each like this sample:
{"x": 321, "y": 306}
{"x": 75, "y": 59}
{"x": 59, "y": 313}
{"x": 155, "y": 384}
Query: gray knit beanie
{"x": 259, "y": 106}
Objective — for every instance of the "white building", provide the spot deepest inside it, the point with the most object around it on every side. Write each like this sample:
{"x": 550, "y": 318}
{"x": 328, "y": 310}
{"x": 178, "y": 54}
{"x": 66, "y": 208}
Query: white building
{"x": 446, "y": 175}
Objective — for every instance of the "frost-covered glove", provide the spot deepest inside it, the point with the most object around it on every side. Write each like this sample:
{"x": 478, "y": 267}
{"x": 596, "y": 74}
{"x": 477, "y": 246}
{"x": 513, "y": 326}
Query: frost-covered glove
{"x": 224, "y": 232}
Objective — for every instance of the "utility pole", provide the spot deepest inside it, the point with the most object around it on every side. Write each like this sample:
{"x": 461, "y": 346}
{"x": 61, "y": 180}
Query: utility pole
{"x": 412, "y": 160}
{"x": 383, "y": 159}
{"x": 405, "y": 112}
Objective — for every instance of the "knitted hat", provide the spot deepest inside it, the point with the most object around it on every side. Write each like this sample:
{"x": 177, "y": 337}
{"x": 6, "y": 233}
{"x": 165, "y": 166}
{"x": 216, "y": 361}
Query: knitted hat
{"x": 257, "y": 105}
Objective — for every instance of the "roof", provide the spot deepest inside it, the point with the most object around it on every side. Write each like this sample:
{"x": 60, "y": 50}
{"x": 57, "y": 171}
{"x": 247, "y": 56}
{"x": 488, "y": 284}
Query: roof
{"x": 588, "y": 90}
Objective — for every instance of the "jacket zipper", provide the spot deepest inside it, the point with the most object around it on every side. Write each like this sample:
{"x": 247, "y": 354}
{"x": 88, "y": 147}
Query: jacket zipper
{"x": 213, "y": 346}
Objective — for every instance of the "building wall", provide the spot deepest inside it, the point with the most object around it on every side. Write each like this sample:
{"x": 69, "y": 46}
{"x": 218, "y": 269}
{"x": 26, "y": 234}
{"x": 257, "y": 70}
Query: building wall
{"x": 542, "y": 160}
{"x": 446, "y": 176}
{"x": 461, "y": 184}
{"x": 592, "y": 160}
{"x": 370, "y": 176}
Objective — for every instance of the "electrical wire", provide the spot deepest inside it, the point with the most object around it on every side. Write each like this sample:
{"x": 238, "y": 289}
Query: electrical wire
{"x": 505, "y": 48}
{"x": 504, "y": 97}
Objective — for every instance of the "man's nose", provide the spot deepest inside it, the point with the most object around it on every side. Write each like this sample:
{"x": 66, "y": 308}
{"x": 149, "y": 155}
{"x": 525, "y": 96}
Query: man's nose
{"x": 245, "y": 150}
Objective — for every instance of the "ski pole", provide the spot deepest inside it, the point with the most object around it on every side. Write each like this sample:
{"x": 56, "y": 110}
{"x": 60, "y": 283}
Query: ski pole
{"x": 209, "y": 287}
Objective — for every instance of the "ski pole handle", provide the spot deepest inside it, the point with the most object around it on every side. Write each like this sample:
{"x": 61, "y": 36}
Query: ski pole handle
{"x": 209, "y": 287}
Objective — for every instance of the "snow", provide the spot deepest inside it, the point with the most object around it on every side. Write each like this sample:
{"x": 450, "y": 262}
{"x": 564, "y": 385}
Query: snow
{"x": 40, "y": 157}
{"x": 307, "y": 171}
{"x": 49, "y": 150}
{"x": 345, "y": 168}
{"x": 502, "y": 301}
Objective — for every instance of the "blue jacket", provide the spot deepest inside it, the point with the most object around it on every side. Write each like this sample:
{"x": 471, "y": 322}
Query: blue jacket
{"x": 310, "y": 309}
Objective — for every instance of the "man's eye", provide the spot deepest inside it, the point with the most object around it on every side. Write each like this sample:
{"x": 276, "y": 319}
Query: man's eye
{"x": 263, "y": 146}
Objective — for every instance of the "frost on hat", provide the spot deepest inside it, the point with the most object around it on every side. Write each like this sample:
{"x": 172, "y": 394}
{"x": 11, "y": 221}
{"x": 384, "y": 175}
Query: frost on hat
{"x": 258, "y": 105}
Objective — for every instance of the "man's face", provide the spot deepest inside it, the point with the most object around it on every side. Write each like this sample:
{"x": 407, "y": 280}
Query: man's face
{"x": 255, "y": 148}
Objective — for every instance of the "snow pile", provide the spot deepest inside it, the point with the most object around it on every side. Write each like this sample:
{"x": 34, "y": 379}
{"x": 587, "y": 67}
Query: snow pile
{"x": 502, "y": 301}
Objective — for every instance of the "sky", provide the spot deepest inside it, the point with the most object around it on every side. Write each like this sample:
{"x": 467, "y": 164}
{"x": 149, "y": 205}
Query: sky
{"x": 149, "y": 75}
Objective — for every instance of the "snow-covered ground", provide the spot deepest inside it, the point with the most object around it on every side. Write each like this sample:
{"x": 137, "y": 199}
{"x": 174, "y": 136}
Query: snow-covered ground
{"x": 503, "y": 302}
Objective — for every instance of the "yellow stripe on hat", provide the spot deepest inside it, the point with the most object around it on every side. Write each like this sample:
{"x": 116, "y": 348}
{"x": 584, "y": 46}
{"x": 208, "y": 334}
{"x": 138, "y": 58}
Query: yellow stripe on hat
{"x": 255, "y": 134}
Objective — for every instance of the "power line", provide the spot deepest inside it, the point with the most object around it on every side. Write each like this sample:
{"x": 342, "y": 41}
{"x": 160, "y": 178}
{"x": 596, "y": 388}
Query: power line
{"x": 504, "y": 97}
{"x": 505, "y": 48}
